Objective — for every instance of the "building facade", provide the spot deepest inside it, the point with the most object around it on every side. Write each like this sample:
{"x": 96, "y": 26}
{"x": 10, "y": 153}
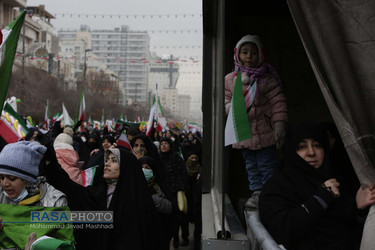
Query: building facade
{"x": 123, "y": 51}
{"x": 163, "y": 72}
{"x": 190, "y": 83}
{"x": 8, "y": 12}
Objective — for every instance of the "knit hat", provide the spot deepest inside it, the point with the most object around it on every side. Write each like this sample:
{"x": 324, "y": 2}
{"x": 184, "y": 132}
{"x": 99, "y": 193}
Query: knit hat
{"x": 69, "y": 131}
{"x": 63, "y": 138}
{"x": 22, "y": 159}
{"x": 115, "y": 151}
{"x": 249, "y": 39}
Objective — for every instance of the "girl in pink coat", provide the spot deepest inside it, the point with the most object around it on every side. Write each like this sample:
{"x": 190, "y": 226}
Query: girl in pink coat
{"x": 267, "y": 114}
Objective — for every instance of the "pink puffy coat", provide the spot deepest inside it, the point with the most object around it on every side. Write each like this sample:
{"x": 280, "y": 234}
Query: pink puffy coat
{"x": 269, "y": 107}
{"x": 68, "y": 159}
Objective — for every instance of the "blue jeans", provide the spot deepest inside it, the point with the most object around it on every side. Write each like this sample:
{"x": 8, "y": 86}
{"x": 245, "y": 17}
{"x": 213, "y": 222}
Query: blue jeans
{"x": 260, "y": 165}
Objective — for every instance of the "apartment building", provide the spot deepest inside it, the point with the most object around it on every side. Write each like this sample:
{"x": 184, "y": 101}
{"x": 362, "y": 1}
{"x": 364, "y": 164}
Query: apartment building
{"x": 124, "y": 51}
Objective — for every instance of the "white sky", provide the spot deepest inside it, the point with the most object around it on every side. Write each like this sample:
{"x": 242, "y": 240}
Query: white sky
{"x": 182, "y": 42}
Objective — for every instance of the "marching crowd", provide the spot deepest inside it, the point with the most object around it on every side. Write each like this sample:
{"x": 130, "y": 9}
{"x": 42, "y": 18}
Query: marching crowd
{"x": 152, "y": 187}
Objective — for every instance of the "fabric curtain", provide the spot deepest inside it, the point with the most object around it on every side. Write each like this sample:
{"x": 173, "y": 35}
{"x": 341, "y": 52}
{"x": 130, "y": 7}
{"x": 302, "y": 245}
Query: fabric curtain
{"x": 339, "y": 39}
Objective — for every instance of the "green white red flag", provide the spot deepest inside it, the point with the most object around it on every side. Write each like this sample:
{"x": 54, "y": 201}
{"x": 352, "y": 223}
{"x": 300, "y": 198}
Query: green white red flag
{"x": 123, "y": 141}
{"x": 66, "y": 117}
{"x": 87, "y": 176}
{"x": 46, "y": 242}
{"x": 12, "y": 126}
{"x": 8, "y": 48}
{"x": 82, "y": 108}
{"x": 46, "y": 114}
{"x": 237, "y": 127}
{"x": 156, "y": 114}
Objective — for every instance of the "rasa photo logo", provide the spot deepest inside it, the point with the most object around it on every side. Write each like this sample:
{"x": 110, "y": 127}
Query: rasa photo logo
{"x": 71, "y": 217}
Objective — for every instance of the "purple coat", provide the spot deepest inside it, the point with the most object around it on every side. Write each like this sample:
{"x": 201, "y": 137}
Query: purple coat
{"x": 269, "y": 107}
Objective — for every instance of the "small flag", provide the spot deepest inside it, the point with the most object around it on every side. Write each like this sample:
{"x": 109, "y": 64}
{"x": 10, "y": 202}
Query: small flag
{"x": 88, "y": 176}
{"x": 89, "y": 121}
{"x": 57, "y": 117}
{"x": 12, "y": 126}
{"x": 46, "y": 242}
{"x": 97, "y": 125}
{"x": 8, "y": 47}
{"x": 237, "y": 127}
{"x": 123, "y": 141}
{"x": 67, "y": 119}
{"x": 29, "y": 121}
{"x": 46, "y": 114}
{"x": 102, "y": 123}
{"x": 156, "y": 113}
{"x": 82, "y": 108}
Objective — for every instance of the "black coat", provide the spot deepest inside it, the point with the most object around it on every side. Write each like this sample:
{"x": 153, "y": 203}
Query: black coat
{"x": 291, "y": 213}
{"x": 135, "y": 221}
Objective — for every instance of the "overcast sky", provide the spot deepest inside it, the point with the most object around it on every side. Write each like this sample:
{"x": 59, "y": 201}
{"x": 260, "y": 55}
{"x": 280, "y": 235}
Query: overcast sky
{"x": 178, "y": 34}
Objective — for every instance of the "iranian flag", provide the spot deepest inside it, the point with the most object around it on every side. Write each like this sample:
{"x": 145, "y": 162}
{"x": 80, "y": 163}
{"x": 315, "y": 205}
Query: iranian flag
{"x": 237, "y": 127}
{"x": 97, "y": 125}
{"x": 82, "y": 108}
{"x": 12, "y": 126}
{"x": 89, "y": 122}
{"x": 46, "y": 242}
{"x": 8, "y": 47}
{"x": 87, "y": 176}
{"x": 66, "y": 117}
{"x": 156, "y": 114}
{"x": 19, "y": 224}
{"x": 57, "y": 117}
{"x": 46, "y": 114}
{"x": 123, "y": 141}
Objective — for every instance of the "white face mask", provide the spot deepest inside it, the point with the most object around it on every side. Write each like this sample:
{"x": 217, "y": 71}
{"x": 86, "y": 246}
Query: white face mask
{"x": 20, "y": 197}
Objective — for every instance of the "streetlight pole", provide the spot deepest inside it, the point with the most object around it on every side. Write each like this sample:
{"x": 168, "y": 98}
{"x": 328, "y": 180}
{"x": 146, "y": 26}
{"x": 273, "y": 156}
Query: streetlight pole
{"x": 84, "y": 64}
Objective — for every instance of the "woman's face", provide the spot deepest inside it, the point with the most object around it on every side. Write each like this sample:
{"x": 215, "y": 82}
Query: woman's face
{"x": 106, "y": 144}
{"x": 12, "y": 185}
{"x": 249, "y": 55}
{"x": 146, "y": 166}
{"x": 139, "y": 144}
{"x": 311, "y": 151}
{"x": 194, "y": 158}
{"x": 164, "y": 147}
{"x": 111, "y": 167}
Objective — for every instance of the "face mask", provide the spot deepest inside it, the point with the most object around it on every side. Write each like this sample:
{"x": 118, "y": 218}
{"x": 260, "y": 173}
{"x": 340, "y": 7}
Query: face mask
{"x": 20, "y": 197}
{"x": 172, "y": 138}
{"x": 148, "y": 173}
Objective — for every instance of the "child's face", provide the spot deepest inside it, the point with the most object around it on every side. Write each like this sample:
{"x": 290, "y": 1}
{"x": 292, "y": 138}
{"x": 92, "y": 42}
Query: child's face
{"x": 249, "y": 55}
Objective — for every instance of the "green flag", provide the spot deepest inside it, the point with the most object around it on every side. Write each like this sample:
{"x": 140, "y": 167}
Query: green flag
{"x": 8, "y": 47}
{"x": 18, "y": 226}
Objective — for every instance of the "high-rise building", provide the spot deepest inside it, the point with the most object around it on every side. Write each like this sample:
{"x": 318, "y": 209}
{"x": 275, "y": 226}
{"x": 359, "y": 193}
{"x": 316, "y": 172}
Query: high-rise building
{"x": 123, "y": 51}
{"x": 164, "y": 72}
{"x": 190, "y": 83}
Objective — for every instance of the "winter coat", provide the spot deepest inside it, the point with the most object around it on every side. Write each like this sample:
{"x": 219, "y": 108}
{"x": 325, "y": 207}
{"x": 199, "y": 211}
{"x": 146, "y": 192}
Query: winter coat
{"x": 68, "y": 159}
{"x": 174, "y": 171}
{"x": 269, "y": 107}
{"x": 50, "y": 197}
{"x": 291, "y": 202}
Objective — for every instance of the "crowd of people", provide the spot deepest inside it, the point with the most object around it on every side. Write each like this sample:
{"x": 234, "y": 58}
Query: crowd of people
{"x": 312, "y": 199}
{"x": 139, "y": 185}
